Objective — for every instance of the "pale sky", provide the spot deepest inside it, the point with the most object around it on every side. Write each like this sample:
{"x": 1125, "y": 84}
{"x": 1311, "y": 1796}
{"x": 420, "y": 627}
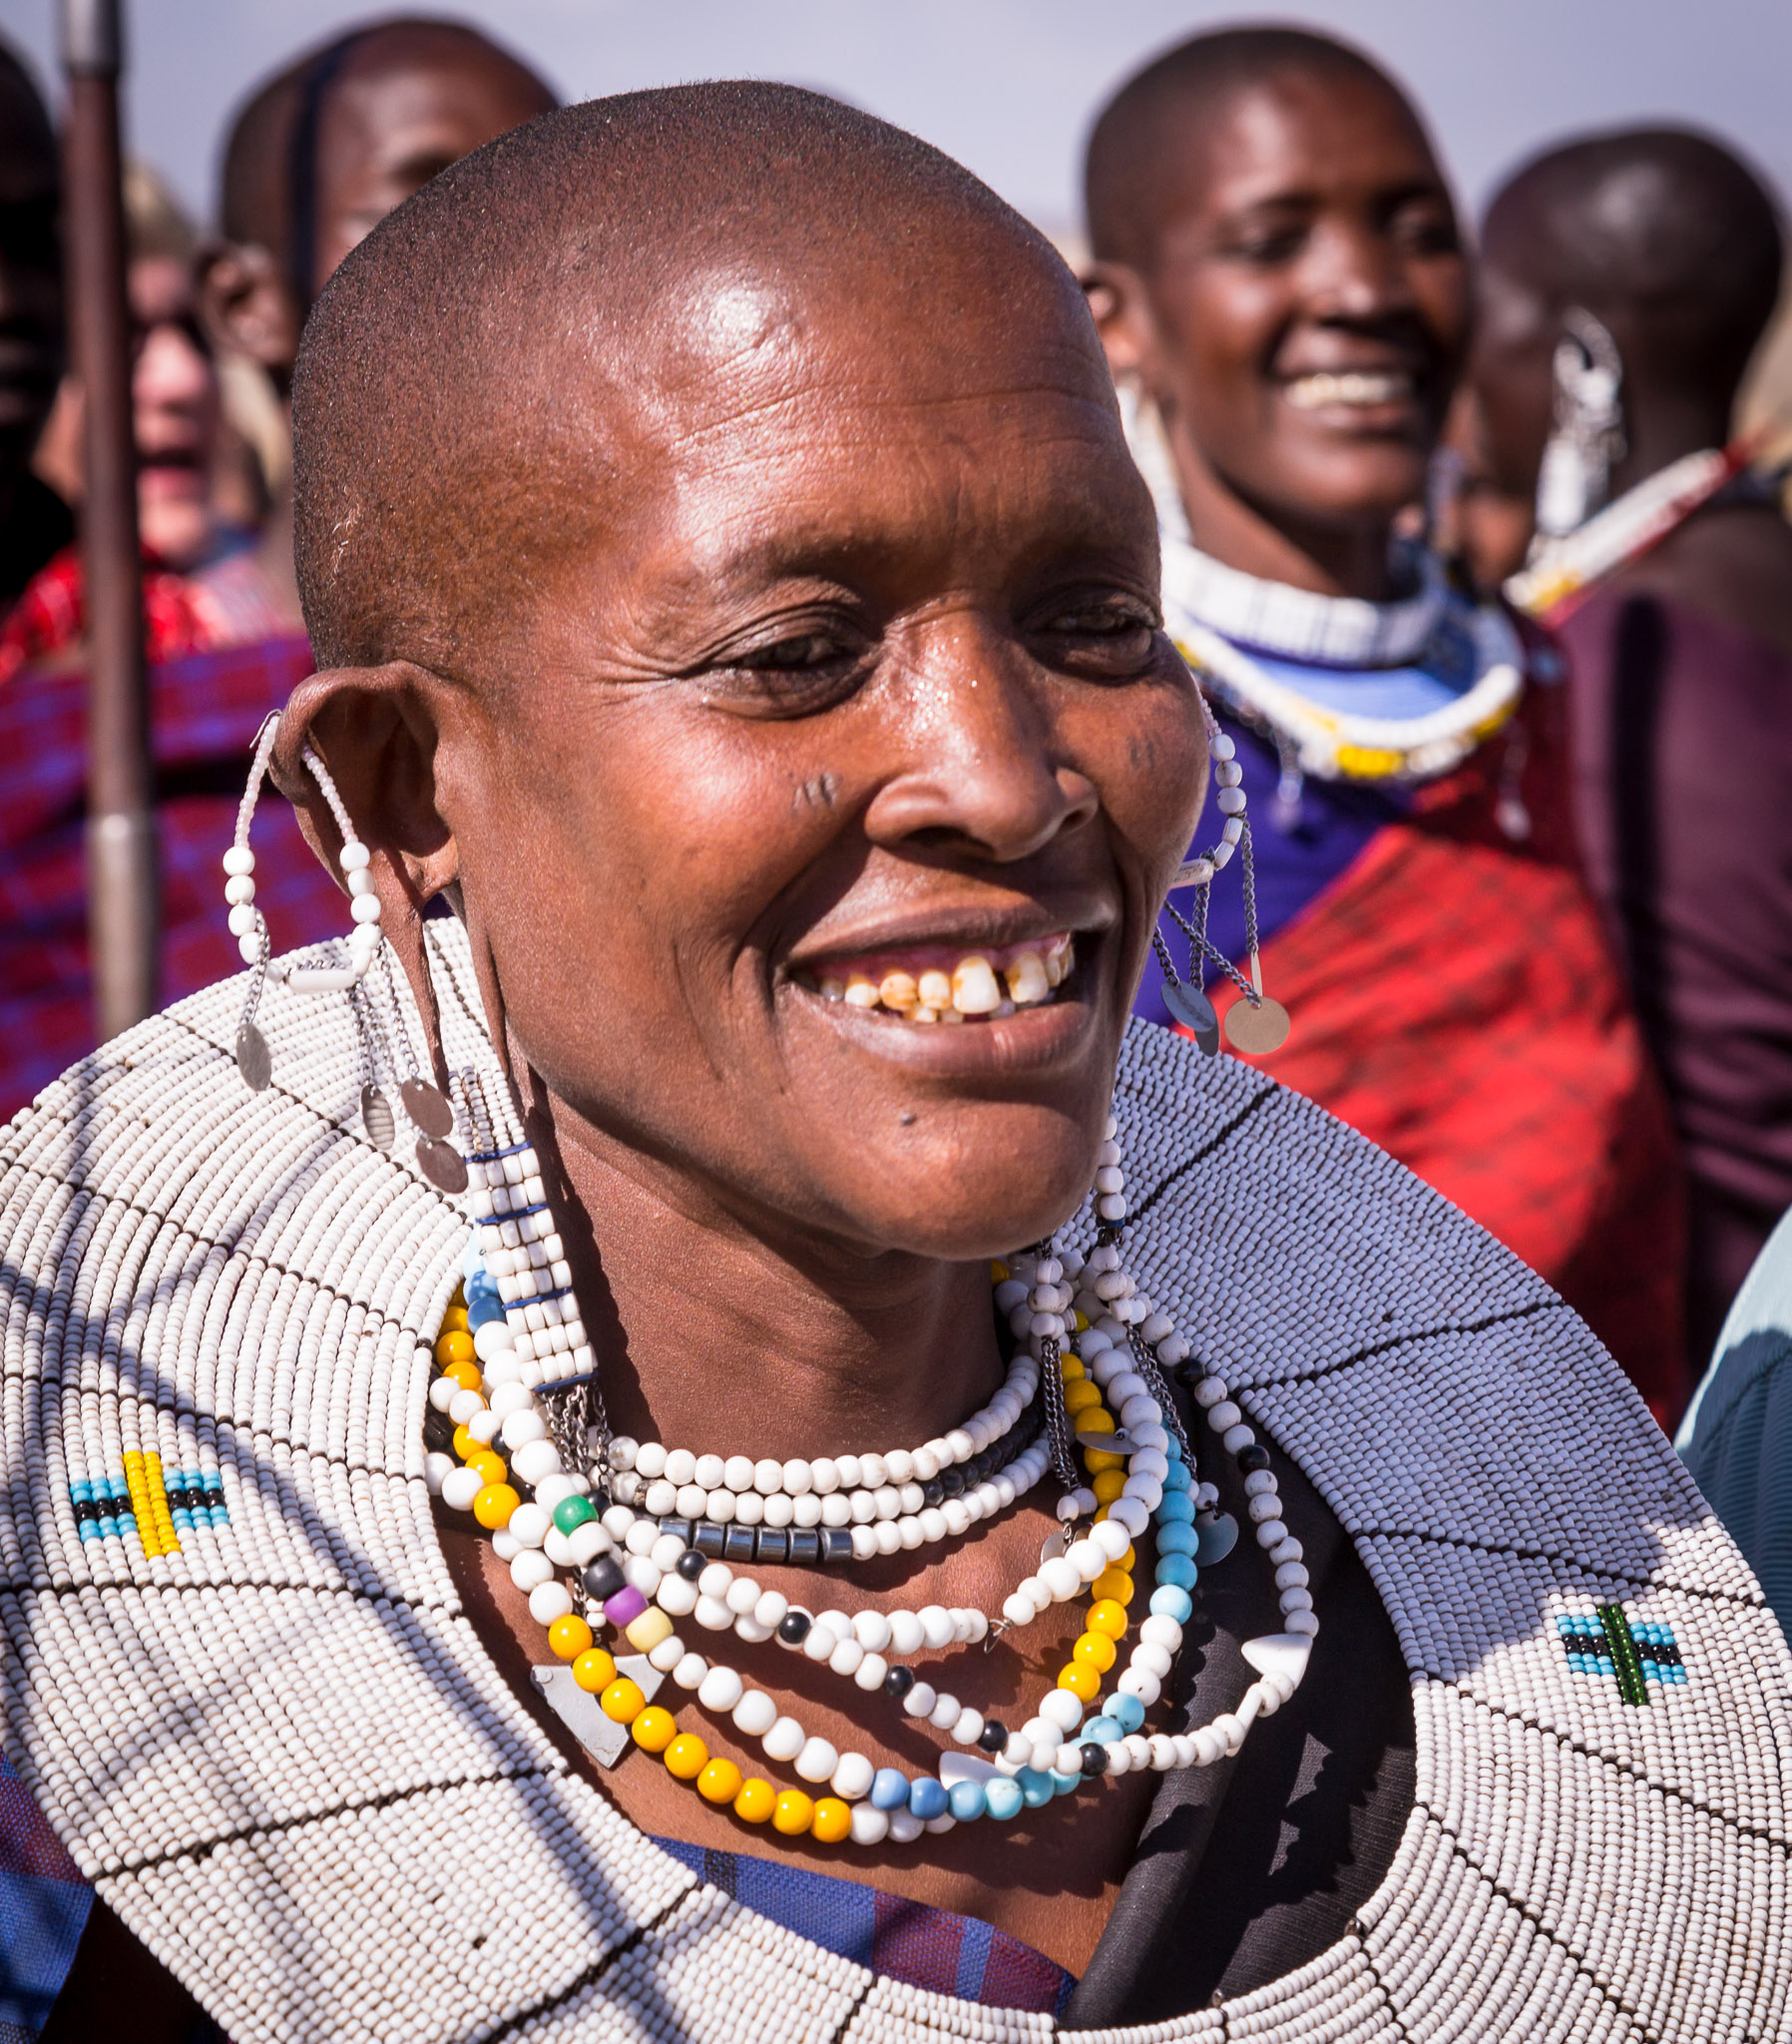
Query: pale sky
{"x": 1009, "y": 86}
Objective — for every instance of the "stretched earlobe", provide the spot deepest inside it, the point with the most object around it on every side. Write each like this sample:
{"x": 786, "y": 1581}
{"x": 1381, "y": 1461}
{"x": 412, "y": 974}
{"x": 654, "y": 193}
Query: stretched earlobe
{"x": 375, "y": 730}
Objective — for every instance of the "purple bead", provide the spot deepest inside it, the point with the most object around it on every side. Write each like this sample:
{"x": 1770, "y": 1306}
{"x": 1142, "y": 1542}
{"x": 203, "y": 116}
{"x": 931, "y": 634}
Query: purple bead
{"x": 624, "y": 1607}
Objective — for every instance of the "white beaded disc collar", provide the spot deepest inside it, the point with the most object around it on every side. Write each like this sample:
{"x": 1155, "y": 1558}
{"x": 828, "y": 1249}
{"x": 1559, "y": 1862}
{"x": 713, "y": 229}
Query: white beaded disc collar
{"x": 261, "y": 1722}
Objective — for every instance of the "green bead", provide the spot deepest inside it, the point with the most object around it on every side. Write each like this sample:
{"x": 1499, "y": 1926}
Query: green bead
{"x": 572, "y": 1512}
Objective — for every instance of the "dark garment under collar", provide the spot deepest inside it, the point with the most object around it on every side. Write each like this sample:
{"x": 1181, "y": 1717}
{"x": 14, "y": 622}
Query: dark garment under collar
{"x": 1250, "y": 1869}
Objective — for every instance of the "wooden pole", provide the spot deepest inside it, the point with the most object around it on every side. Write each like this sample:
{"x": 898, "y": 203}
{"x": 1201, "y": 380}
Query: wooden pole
{"x": 120, "y": 813}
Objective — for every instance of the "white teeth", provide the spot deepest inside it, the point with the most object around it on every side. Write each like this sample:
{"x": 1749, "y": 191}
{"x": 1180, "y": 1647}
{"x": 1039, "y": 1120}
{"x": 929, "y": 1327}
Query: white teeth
{"x": 1352, "y": 387}
{"x": 1027, "y": 980}
{"x": 975, "y": 986}
{"x": 975, "y": 990}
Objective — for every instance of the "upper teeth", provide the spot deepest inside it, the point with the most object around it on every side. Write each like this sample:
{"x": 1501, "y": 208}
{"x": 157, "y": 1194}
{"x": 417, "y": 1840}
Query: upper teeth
{"x": 1354, "y": 387}
{"x": 974, "y": 986}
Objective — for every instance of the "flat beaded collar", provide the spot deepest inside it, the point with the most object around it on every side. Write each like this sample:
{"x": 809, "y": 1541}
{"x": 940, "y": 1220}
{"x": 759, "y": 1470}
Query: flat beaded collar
{"x": 266, "y": 1730}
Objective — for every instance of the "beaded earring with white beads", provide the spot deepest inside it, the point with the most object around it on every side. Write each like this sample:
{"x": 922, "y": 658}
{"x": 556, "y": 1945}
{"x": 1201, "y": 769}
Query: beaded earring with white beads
{"x": 250, "y": 928}
{"x": 1255, "y": 1023}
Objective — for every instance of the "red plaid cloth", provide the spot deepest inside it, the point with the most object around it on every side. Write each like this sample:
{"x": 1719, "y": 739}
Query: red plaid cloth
{"x": 1453, "y": 997}
{"x": 51, "y": 615}
{"x": 206, "y": 711}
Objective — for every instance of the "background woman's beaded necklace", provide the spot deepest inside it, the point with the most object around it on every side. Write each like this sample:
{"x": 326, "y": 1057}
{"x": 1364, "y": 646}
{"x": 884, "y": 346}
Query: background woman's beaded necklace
{"x": 618, "y": 1546}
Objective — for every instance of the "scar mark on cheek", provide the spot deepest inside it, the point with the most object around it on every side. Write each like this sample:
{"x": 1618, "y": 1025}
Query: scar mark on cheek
{"x": 818, "y": 793}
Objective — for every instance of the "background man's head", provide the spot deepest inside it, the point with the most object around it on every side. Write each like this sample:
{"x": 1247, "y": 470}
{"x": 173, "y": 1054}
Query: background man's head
{"x": 1670, "y": 242}
{"x": 30, "y": 326}
{"x": 323, "y": 151}
{"x": 1277, "y": 261}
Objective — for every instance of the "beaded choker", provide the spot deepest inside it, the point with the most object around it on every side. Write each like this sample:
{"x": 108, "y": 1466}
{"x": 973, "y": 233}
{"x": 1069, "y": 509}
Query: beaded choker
{"x": 631, "y": 1539}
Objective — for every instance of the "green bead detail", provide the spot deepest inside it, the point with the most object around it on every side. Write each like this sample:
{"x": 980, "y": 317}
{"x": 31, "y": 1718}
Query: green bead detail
{"x": 572, "y": 1512}
{"x": 1624, "y": 1657}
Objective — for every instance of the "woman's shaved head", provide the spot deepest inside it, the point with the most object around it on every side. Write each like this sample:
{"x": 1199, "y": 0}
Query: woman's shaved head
{"x": 476, "y": 367}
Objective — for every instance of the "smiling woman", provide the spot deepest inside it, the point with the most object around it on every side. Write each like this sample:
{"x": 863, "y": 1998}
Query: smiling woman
{"x": 725, "y": 1453}
{"x": 1284, "y": 297}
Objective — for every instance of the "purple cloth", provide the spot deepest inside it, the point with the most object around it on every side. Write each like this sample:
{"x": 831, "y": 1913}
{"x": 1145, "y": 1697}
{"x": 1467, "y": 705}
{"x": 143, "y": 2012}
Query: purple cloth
{"x": 1682, "y": 756}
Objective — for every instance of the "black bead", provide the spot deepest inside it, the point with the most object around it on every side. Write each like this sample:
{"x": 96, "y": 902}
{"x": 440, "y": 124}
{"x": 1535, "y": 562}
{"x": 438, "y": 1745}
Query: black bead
{"x": 793, "y": 1628}
{"x": 710, "y": 1538}
{"x": 690, "y": 1564}
{"x": 899, "y": 1682}
{"x": 836, "y": 1545}
{"x": 603, "y": 1578}
{"x": 601, "y": 1501}
{"x": 1252, "y": 1457}
{"x": 1094, "y": 1759}
{"x": 679, "y": 1529}
{"x": 771, "y": 1543}
{"x": 1190, "y": 1372}
{"x": 993, "y": 1735}
{"x": 933, "y": 1492}
{"x": 953, "y": 1481}
{"x": 805, "y": 1547}
{"x": 738, "y": 1546}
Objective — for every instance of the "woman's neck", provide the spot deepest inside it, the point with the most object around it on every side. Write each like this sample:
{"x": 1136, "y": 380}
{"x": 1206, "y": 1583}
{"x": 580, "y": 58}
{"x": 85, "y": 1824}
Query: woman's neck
{"x": 1325, "y": 558}
{"x": 712, "y": 1336}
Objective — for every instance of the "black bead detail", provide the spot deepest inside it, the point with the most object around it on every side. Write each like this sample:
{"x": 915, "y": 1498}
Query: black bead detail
{"x": 709, "y": 1539}
{"x": 953, "y": 1482}
{"x": 899, "y": 1682}
{"x": 836, "y": 1545}
{"x": 690, "y": 1564}
{"x": 933, "y": 1492}
{"x": 603, "y": 1578}
{"x": 793, "y": 1628}
{"x": 601, "y": 1501}
{"x": 1095, "y": 1759}
{"x": 738, "y": 1546}
{"x": 1252, "y": 1457}
{"x": 771, "y": 1543}
{"x": 993, "y": 1735}
{"x": 1190, "y": 1372}
{"x": 679, "y": 1529}
{"x": 805, "y": 1547}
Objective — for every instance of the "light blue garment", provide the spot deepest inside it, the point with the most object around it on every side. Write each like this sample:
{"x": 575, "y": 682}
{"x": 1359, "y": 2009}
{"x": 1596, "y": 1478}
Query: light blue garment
{"x": 1736, "y": 1437}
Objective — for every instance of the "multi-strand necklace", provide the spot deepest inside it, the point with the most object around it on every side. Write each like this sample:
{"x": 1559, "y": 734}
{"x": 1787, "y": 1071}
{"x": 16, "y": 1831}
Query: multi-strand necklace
{"x": 628, "y": 1548}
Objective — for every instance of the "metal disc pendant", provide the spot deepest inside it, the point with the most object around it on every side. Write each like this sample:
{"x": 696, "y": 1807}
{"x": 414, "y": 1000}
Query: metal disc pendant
{"x": 376, "y": 1117}
{"x": 1191, "y": 1007}
{"x": 1119, "y": 1443}
{"x": 254, "y": 1059}
{"x": 1216, "y": 1535}
{"x": 427, "y": 1108}
{"x": 1053, "y": 1545}
{"x": 1260, "y": 1030}
{"x": 442, "y": 1164}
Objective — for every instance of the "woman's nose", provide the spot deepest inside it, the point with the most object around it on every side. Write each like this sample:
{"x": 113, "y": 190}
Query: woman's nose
{"x": 983, "y": 771}
{"x": 171, "y": 370}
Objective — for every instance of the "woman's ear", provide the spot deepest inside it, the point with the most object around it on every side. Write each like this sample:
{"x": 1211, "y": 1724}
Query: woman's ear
{"x": 1123, "y": 318}
{"x": 375, "y": 730}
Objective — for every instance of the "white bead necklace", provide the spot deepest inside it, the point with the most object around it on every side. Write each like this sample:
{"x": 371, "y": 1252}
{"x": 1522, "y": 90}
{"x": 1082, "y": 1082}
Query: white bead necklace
{"x": 643, "y": 1577}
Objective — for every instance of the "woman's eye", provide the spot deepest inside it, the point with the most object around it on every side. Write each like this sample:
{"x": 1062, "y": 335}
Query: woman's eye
{"x": 794, "y": 675}
{"x": 1103, "y": 637}
{"x": 795, "y": 655}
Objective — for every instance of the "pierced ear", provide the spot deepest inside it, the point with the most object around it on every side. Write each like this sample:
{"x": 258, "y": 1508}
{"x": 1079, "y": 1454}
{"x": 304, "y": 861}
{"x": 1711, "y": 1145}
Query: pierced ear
{"x": 375, "y": 730}
{"x": 1122, "y": 307}
{"x": 247, "y": 305}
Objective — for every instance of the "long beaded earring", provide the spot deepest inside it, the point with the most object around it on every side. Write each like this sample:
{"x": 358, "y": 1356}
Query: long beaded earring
{"x": 1589, "y": 434}
{"x": 1256, "y": 1024}
{"x": 423, "y": 1103}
